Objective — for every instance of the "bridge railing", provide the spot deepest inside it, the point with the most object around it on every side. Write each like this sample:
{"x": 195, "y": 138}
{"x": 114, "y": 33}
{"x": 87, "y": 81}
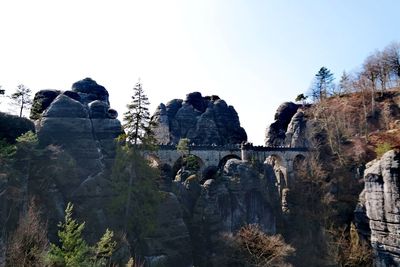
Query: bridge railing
{"x": 232, "y": 147}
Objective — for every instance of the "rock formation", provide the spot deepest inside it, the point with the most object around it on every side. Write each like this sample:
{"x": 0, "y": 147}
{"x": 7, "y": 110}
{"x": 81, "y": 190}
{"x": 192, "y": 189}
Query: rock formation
{"x": 378, "y": 213}
{"x": 80, "y": 121}
{"x": 289, "y": 127}
{"x": 240, "y": 195}
{"x": 83, "y": 125}
{"x": 203, "y": 120}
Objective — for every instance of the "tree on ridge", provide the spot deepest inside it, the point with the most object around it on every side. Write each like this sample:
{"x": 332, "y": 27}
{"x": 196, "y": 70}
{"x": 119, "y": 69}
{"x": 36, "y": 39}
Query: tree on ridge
{"x": 137, "y": 118}
{"x": 22, "y": 97}
{"x": 323, "y": 84}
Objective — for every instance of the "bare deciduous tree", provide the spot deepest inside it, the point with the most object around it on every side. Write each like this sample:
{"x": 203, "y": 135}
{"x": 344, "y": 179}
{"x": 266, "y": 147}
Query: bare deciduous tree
{"x": 28, "y": 244}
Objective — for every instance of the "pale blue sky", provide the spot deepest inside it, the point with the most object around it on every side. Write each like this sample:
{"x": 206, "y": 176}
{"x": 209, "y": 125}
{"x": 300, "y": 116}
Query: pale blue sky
{"x": 253, "y": 54}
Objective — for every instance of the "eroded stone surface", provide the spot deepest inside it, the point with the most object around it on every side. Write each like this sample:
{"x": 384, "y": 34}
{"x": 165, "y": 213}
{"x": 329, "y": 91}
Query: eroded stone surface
{"x": 203, "y": 120}
{"x": 381, "y": 202}
{"x": 240, "y": 195}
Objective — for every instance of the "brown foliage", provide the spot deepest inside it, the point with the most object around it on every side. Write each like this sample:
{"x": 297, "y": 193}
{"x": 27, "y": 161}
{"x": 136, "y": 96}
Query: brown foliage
{"x": 28, "y": 243}
{"x": 347, "y": 249}
{"x": 252, "y": 247}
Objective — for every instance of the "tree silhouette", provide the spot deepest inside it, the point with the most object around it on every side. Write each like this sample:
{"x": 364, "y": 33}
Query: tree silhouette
{"x": 323, "y": 84}
{"x": 22, "y": 97}
{"x": 137, "y": 118}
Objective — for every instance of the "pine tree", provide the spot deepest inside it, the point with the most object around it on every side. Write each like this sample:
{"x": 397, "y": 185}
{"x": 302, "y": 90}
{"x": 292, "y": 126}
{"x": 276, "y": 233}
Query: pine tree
{"x": 323, "y": 84}
{"x": 137, "y": 118}
{"x": 74, "y": 250}
{"x": 22, "y": 97}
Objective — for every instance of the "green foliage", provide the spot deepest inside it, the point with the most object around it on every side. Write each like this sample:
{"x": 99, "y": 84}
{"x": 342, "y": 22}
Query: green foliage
{"x": 382, "y": 149}
{"x": 13, "y": 126}
{"x": 301, "y": 97}
{"x": 6, "y": 149}
{"x": 323, "y": 84}
{"x": 28, "y": 139}
{"x": 137, "y": 119}
{"x": 104, "y": 248}
{"x": 192, "y": 163}
{"x": 183, "y": 146}
{"x": 137, "y": 195}
{"x": 73, "y": 250}
{"x": 36, "y": 109}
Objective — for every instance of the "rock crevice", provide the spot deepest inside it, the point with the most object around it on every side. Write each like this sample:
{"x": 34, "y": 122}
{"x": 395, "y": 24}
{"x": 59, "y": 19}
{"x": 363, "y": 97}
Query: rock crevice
{"x": 204, "y": 120}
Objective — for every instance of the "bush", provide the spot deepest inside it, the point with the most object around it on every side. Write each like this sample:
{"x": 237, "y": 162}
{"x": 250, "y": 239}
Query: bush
{"x": 252, "y": 247}
{"x": 382, "y": 149}
{"x": 74, "y": 251}
{"x": 13, "y": 126}
{"x": 28, "y": 244}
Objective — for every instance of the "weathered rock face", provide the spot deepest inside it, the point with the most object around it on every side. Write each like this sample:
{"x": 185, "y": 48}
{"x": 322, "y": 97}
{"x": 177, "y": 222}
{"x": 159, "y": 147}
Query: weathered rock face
{"x": 276, "y": 132}
{"x": 83, "y": 125}
{"x": 203, "y": 120}
{"x": 89, "y": 91}
{"x": 381, "y": 202}
{"x": 239, "y": 196}
{"x": 296, "y": 131}
{"x": 169, "y": 244}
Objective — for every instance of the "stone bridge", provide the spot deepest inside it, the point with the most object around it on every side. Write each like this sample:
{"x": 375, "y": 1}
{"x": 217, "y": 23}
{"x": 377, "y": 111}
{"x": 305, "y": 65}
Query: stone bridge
{"x": 209, "y": 155}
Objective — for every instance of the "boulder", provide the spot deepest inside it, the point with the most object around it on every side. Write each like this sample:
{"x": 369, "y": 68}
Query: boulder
{"x": 42, "y": 101}
{"x": 98, "y": 109}
{"x": 89, "y": 91}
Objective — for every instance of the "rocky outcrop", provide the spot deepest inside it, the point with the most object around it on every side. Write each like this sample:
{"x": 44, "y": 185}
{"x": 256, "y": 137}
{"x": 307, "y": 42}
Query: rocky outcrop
{"x": 84, "y": 129}
{"x": 240, "y": 195}
{"x": 289, "y": 127}
{"x": 11, "y": 127}
{"x": 276, "y": 132}
{"x": 169, "y": 244}
{"x": 203, "y": 120}
{"x": 81, "y": 123}
{"x": 84, "y": 126}
{"x": 88, "y": 91}
{"x": 296, "y": 132}
{"x": 380, "y": 200}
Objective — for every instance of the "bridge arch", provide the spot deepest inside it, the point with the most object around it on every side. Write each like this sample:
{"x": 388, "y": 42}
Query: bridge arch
{"x": 299, "y": 162}
{"x": 209, "y": 172}
{"x": 195, "y": 162}
{"x": 223, "y": 161}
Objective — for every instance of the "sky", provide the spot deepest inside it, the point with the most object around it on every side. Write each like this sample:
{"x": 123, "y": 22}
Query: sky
{"x": 253, "y": 54}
